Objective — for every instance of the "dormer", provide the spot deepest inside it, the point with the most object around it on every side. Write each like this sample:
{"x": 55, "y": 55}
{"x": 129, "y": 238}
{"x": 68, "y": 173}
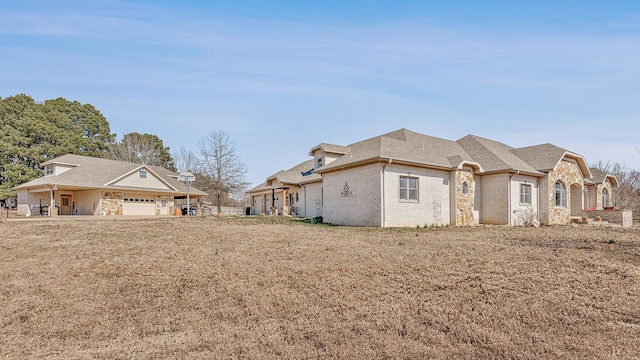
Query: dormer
{"x": 324, "y": 154}
{"x": 53, "y": 169}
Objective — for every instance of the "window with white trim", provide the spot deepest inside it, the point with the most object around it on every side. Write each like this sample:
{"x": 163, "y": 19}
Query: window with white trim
{"x": 143, "y": 174}
{"x": 49, "y": 170}
{"x": 525, "y": 194}
{"x": 560, "y": 194}
{"x": 408, "y": 188}
{"x": 605, "y": 198}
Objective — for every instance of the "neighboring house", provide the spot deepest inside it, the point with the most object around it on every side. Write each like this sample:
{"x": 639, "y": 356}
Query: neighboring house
{"x": 408, "y": 179}
{"x": 82, "y": 185}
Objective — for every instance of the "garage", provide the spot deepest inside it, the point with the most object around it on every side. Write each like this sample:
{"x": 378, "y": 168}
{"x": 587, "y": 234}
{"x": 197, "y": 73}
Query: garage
{"x": 139, "y": 205}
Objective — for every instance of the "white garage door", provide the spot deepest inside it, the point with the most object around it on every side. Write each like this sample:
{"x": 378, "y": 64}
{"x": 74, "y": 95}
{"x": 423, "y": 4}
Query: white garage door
{"x": 139, "y": 205}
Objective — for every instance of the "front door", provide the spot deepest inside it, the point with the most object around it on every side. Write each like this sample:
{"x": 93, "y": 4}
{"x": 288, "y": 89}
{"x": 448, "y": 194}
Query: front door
{"x": 66, "y": 205}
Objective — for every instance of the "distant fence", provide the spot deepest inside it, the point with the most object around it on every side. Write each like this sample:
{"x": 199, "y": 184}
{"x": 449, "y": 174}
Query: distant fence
{"x": 226, "y": 210}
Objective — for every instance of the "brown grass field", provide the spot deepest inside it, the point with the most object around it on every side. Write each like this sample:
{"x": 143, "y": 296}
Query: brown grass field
{"x": 275, "y": 288}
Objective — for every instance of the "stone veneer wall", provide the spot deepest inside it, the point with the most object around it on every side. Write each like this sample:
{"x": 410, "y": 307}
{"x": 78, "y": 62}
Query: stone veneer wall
{"x": 464, "y": 202}
{"x": 111, "y": 203}
{"x": 569, "y": 173}
{"x": 599, "y": 197}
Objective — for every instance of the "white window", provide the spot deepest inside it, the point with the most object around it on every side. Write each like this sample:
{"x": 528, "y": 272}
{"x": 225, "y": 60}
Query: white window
{"x": 525, "y": 194}
{"x": 408, "y": 188}
{"x": 143, "y": 174}
{"x": 49, "y": 170}
{"x": 560, "y": 194}
{"x": 318, "y": 163}
{"x": 605, "y": 198}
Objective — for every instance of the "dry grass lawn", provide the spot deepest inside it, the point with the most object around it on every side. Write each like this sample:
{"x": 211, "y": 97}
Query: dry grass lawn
{"x": 236, "y": 288}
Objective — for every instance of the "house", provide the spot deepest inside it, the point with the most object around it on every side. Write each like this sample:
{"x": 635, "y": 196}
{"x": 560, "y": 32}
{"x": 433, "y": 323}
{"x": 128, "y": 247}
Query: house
{"x": 82, "y": 185}
{"x": 404, "y": 178}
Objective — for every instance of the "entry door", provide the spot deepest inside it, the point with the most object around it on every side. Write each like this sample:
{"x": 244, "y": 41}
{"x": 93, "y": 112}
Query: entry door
{"x": 65, "y": 205}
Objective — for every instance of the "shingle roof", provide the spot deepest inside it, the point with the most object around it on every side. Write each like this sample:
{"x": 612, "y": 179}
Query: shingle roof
{"x": 294, "y": 174}
{"x": 495, "y": 156}
{"x": 405, "y": 146}
{"x": 598, "y": 177}
{"x": 91, "y": 172}
{"x": 330, "y": 148}
{"x": 543, "y": 157}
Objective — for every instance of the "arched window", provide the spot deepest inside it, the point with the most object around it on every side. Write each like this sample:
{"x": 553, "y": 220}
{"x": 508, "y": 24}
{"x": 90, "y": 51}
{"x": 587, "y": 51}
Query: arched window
{"x": 465, "y": 188}
{"x": 605, "y": 198}
{"x": 560, "y": 194}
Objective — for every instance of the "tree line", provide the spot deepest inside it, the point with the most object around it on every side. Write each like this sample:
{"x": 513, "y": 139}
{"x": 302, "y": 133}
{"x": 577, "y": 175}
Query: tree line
{"x": 33, "y": 132}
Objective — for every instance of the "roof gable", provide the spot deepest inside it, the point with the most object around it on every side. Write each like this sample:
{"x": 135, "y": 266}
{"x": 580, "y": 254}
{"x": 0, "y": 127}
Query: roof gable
{"x": 142, "y": 177}
{"x": 546, "y": 157}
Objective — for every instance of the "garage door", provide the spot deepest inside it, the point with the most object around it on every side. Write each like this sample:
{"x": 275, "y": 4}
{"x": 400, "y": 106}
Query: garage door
{"x": 139, "y": 205}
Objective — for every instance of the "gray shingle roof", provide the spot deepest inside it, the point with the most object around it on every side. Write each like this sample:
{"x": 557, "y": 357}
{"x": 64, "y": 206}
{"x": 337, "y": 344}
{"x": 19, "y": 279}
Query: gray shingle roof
{"x": 405, "y": 146}
{"x": 495, "y": 156}
{"x": 330, "y": 148}
{"x": 598, "y": 177}
{"x": 91, "y": 172}
{"x": 543, "y": 157}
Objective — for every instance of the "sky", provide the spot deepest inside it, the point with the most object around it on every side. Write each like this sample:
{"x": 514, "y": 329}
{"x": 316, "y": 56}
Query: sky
{"x": 280, "y": 77}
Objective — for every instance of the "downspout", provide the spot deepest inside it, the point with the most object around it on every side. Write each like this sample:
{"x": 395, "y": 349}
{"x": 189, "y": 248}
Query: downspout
{"x": 383, "y": 218}
{"x": 305, "y": 201}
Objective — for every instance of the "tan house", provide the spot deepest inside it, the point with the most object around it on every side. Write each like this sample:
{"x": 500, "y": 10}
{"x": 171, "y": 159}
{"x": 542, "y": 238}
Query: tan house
{"x": 82, "y": 185}
{"x": 405, "y": 178}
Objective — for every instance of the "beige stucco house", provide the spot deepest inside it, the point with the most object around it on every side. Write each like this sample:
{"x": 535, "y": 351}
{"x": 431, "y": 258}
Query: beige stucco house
{"x": 82, "y": 185}
{"x": 405, "y": 178}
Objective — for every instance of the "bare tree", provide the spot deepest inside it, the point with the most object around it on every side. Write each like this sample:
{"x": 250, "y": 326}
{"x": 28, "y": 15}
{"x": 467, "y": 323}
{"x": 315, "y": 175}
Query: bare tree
{"x": 222, "y": 167}
{"x": 627, "y": 194}
{"x": 185, "y": 160}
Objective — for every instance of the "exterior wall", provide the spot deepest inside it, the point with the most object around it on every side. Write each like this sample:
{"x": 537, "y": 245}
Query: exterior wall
{"x": 570, "y": 174}
{"x": 134, "y": 180}
{"x": 111, "y": 203}
{"x": 477, "y": 194}
{"x": 296, "y": 202}
{"x": 312, "y": 201}
{"x": 26, "y": 199}
{"x": 521, "y": 212}
{"x": 591, "y": 197}
{"x": 433, "y": 205}
{"x": 352, "y": 196}
{"x": 495, "y": 199}
{"x": 165, "y": 205}
{"x": 464, "y": 203}
{"x": 86, "y": 202}
{"x": 600, "y": 198}
{"x": 257, "y": 204}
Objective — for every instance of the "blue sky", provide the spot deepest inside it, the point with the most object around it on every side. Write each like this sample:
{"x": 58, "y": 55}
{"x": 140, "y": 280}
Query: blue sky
{"x": 280, "y": 77}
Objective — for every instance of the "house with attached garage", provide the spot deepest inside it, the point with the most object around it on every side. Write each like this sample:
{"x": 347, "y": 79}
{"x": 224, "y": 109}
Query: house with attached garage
{"x": 82, "y": 185}
{"x": 407, "y": 179}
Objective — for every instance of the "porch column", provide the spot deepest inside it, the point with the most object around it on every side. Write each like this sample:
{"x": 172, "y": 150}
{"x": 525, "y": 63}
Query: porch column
{"x": 52, "y": 207}
{"x": 274, "y": 210}
{"x": 285, "y": 201}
